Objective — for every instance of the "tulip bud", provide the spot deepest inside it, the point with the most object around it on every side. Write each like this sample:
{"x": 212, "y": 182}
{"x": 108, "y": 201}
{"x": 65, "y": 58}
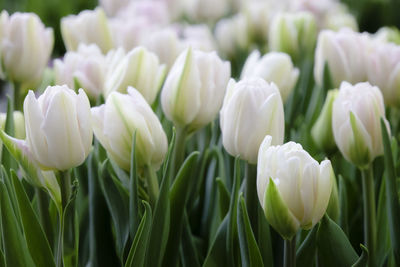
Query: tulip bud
{"x": 388, "y": 35}
{"x": 272, "y": 67}
{"x": 116, "y": 121}
{"x": 293, "y": 33}
{"x": 88, "y": 27}
{"x": 338, "y": 20}
{"x": 139, "y": 68}
{"x": 232, "y": 34}
{"x": 194, "y": 89}
{"x": 356, "y": 115}
{"x": 58, "y": 127}
{"x": 343, "y": 52}
{"x": 82, "y": 69}
{"x": 293, "y": 189}
{"x": 25, "y": 47}
{"x": 321, "y": 132}
{"x": 252, "y": 109}
{"x": 112, "y": 7}
{"x": 383, "y": 70}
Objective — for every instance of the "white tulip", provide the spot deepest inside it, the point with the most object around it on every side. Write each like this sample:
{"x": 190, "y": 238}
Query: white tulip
{"x": 293, "y": 33}
{"x": 272, "y": 67}
{"x": 88, "y": 27}
{"x": 116, "y": 121}
{"x": 194, "y": 89}
{"x": 344, "y": 54}
{"x": 140, "y": 69}
{"x": 356, "y": 115}
{"x": 293, "y": 189}
{"x": 233, "y": 35}
{"x": 84, "y": 69}
{"x": 252, "y": 109}
{"x": 58, "y": 127}
{"x": 207, "y": 10}
{"x": 112, "y": 7}
{"x": 388, "y": 35}
{"x": 383, "y": 70}
{"x": 25, "y": 47}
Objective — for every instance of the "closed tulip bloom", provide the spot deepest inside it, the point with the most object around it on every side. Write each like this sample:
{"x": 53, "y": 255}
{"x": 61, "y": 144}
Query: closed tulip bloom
{"x": 356, "y": 115}
{"x": 207, "y": 10}
{"x": 272, "y": 67}
{"x": 88, "y": 27}
{"x": 139, "y": 68}
{"x": 252, "y": 109}
{"x": 293, "y": 33}
{"x": 293, "y": 189}
{"x": 194, "y": 89}
{"x": 25, "y": 47}
{"x": 112, "y": 7}
{"x": 388, "y": 35}
{"x": 383, "y": 70}
{"x": 344, "y": 54}
{"x": 58, "y": 127}
{"x": 116, "y": 121}
{"x": 84, "y": 69}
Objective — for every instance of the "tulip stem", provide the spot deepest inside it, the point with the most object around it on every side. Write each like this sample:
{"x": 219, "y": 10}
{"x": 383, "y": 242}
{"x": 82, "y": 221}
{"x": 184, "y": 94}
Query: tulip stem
{"x": 179, "y": 150}
{"x": 16, "y": 95}
{"x": 290, "y": 253}
{"x": 251, "y": 195}
{"x": 369, "y": 214}
{"x": 65, "y": 187}
{"x": 152, "y": 185}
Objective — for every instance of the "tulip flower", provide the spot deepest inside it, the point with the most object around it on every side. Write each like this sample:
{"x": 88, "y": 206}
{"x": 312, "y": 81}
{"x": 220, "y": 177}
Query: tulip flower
{"x": 252, "y": 108}
{"x": 25, "y": 48}
{"x": 272, "y": 67}
{"x": 194, "y": 89}
{"x": 356, "y": 115}
{"x": 88, "y": 27}
{"x": 84, "y": 69}
{"x": 207, "y": 10}
{"x": 116, "y": 121}
{"x": 293, "y": 189}
{"x": 140, "y": 69}
{"x": 293, "y": 33}
{"x": 58, "y": 127}
{"x": 383, "y": 70}
{"x": 344, "y": 54}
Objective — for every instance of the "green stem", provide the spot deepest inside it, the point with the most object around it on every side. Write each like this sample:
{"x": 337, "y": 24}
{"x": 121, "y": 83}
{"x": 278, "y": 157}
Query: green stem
{"x": 290, "y": 253}
{"x": 251, "y": 195}
{"x": 369, "y": 214}
{"x": 179, "y": 150}
{"x": 43, "y": 205}
{"x": 17, "y": 96}
{"x": 65, "y": 187}
{"x": 152, "y": 182}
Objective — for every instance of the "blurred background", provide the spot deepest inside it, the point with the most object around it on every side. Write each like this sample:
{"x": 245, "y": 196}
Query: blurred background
{"x": 370, "y": 14}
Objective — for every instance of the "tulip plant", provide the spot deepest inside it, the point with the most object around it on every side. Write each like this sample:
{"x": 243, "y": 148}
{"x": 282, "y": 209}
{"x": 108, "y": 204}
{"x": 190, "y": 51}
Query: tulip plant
{"x": 210, "y": 133}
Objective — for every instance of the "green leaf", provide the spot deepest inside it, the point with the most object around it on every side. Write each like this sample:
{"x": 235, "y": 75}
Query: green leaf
{"x": 343, "y": 205}
{"x": 224, "y": 198}
{"x": 334, "y": 249}
{"x": 231, "y": 239}
{"x": 383, "y": 233}
{"x": 134, "y": 209}
{"x": 161, "y": 218}
{"x": 392, "y": 198}
{"x": 264, "y": 238}
{"x": 305, "y": 254}
{"x": 137, "y": 253}
{"x": 249, "y": 251}
{"x": 363, "y": 260}
{"x": 117, "y": 206}
{"x": 16, "y": 251}
{"x": 35, "y": 237}
{"x": 189, "y": 255}
{"x": 216, "y": 256}
{"x": 178, "y": 197}
{"x": 101, "y": 246}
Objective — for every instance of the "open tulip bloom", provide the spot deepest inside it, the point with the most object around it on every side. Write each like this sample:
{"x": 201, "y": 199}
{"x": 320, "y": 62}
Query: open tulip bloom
{"x": 196, "y": 133}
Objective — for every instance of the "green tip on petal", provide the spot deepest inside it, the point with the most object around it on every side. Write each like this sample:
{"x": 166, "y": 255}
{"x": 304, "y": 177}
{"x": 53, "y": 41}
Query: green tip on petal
{"x": 278, "y": 214}
{"x": 359, "y": 152}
